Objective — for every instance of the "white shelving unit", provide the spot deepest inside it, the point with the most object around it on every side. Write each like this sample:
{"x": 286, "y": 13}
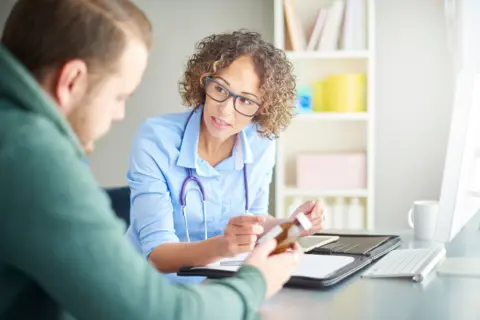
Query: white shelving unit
{"x": 334, "y": 132}
{"x": 293, "y": 55}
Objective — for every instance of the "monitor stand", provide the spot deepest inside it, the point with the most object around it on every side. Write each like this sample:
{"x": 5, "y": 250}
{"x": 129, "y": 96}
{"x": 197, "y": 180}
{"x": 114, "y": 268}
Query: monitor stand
{"x": 460, "y": 267}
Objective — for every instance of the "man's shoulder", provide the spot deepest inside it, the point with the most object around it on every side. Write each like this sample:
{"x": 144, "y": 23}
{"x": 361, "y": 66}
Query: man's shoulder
{"x": 31, "y": 145}
{"x": 27, "y": 132}
{"x": 39, "y": 163}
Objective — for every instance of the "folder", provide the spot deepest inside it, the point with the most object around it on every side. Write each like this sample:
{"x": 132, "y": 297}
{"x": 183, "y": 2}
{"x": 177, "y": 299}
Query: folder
{"x": 321, "y": 267}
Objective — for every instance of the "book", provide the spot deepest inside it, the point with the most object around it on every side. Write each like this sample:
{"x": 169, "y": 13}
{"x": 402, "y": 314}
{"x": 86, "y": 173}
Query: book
{"x": 331, "y": 31}
{"x": 317, "y": 29}
{"x": 355, "y": 25}
{"x": 294, "y": 27}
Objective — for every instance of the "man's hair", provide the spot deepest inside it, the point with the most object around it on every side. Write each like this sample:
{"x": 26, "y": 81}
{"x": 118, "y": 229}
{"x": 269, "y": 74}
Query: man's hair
{"x": 45, "y": 34}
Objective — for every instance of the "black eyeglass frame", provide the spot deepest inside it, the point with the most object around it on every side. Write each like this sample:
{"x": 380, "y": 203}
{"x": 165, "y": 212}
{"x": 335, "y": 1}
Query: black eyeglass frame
{"x": 230, "y": 94}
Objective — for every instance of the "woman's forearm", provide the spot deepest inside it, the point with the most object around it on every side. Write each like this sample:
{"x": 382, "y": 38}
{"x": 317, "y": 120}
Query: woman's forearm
{"x": 170, "y": 257}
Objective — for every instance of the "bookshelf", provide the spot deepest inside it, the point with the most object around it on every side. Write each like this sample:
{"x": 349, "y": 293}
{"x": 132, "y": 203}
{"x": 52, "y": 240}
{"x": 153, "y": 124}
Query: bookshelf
{"x": 293, "y": 55}
{"x": 326, "y": 132}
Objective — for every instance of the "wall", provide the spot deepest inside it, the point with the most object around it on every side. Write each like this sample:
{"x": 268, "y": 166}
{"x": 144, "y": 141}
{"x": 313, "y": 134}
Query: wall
{"x": 5, "y": 7}
{"x": 414, "y": 89}
{"x": 414, "y": 97}
{"x": 176, "y": 32}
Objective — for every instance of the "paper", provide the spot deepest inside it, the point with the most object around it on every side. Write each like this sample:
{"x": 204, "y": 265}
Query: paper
{"x": 234, "y": 261}
{"x": 311, "y": 265}
{"x": 320, "y": 266}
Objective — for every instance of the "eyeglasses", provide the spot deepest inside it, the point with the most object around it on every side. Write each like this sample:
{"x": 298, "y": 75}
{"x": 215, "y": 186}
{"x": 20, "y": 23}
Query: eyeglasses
{"x": 219, "y": 93}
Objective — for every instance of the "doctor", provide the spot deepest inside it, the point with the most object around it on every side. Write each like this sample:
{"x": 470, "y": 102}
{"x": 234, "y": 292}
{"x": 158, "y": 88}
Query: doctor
{"x": 200, "y": 179}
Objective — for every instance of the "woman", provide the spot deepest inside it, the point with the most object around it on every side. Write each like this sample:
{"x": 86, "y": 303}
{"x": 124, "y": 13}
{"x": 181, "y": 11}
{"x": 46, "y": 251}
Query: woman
{"x": 200, "y": 179}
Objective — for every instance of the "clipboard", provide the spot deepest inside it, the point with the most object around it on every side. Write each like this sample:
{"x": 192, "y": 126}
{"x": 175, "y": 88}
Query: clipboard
{"x": 372, "y": 248}
{"x": 300, "y": 278}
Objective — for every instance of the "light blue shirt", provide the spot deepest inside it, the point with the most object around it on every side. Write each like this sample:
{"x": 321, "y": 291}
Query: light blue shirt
{"x": 163, "y": 149}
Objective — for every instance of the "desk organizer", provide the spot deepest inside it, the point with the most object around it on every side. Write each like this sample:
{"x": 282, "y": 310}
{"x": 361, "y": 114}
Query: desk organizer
{"x": 331, "y": 171}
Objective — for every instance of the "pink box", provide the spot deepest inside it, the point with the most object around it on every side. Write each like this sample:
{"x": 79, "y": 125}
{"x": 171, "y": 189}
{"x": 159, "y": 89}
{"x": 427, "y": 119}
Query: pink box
{"x": 332, "y": 171}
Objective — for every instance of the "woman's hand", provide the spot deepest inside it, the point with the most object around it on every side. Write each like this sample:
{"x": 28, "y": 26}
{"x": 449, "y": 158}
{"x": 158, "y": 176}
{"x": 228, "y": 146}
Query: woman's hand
{"x": 241, "y": 234}
{"x": 314, "y": 212}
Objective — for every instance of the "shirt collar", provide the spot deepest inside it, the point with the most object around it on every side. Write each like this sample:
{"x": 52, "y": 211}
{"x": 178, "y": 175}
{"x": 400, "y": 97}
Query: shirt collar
{"x": 243, "y": 149}
{"x": 189, "y": 145}
{"x": 188, "y": 157}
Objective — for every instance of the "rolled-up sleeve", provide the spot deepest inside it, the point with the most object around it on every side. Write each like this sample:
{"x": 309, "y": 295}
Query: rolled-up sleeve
{"x": 151, "y": 212}
{"x": 261, "y": 201}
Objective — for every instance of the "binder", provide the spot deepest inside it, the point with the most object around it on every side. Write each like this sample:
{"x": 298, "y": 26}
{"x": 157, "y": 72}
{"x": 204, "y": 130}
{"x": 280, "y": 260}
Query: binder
{"x": 361, "y": 250}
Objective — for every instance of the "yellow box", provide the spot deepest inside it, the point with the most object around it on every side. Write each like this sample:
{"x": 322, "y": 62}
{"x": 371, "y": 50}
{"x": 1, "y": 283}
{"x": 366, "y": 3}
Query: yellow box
{"x": 345, "y": 93}
{"x": 318, "y": 100}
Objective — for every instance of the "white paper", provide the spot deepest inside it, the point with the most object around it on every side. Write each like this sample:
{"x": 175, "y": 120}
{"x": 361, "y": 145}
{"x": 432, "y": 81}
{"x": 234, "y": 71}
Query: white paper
{"x": 320, "y": 266}
{"x": 311, "y": 265}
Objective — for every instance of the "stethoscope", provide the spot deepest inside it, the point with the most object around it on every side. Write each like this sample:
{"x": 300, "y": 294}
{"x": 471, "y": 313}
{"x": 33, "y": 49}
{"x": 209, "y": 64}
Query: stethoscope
{"x": 201, "y": 190}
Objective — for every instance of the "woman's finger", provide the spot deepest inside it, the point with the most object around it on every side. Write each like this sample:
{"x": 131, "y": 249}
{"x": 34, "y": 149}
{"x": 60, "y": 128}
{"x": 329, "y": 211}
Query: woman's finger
{"x": 246, "y": 240}
{"x": 255, "y": 229}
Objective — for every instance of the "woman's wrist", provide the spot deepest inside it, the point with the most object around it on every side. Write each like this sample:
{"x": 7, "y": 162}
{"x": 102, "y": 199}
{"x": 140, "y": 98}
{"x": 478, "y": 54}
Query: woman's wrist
{"x": 217, "y": 246}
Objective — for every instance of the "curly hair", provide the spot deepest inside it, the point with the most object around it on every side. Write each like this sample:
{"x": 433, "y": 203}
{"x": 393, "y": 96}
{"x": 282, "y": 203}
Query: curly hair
{"x": 277, "y": 81}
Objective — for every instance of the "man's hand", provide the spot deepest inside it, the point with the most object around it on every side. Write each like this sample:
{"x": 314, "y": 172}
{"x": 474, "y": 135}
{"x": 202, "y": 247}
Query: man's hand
{"x": 241, "y": 234}
{"x": 314, "y": 212}
{"x": 277, "y": 268}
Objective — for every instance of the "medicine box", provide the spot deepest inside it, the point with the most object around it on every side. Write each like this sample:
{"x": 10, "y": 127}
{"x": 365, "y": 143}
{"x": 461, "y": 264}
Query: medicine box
{"x": 331, "y": 171}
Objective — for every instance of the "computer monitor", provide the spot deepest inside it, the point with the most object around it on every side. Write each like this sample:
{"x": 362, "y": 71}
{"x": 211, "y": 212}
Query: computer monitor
{"x": 460, "y": 190}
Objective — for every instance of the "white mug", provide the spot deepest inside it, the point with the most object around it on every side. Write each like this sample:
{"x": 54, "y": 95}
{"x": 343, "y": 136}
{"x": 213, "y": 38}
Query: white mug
{"x": 422, "y": 217}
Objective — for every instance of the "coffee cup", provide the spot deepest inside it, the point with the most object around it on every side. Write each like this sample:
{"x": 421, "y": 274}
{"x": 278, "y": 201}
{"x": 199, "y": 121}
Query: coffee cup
{"x": 422, "y": 217}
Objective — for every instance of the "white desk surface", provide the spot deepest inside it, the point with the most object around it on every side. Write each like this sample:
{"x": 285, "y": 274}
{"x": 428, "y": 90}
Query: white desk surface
{"x": 436, "y": 298}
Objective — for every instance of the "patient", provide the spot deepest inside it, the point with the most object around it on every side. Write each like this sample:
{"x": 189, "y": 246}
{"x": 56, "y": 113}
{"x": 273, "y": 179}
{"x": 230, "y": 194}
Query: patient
{"x": 67, "y": 68}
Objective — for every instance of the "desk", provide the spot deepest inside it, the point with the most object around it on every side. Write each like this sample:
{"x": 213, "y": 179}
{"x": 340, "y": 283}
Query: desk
{"x": 437, "y": 297}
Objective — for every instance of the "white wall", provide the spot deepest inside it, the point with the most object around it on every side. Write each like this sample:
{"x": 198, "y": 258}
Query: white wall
{"x": 414, "y": 97}
{"x": 5, "y": 7}
{"x": 414, "y": 89}
{"x": 178, "y": 25}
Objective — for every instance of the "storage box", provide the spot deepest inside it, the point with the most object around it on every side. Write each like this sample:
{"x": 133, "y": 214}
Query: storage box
{"x": 346, "y": 93}
{"x": 332, "y": 171}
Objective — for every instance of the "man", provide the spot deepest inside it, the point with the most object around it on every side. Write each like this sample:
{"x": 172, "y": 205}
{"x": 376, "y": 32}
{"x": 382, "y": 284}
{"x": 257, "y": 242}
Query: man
{"x": 66, "y": 69}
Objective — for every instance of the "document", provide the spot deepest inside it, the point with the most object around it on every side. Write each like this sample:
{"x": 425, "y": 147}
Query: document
{"x": 311, "y": 265}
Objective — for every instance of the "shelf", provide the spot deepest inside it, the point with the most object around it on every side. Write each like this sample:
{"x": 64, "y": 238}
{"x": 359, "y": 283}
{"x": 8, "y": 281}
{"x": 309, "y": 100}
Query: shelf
{"x": 333, "y": 116}
{"x": 328, "y": 132}
{"x": 360, "y": 193}
{"x": 297, "y": 55}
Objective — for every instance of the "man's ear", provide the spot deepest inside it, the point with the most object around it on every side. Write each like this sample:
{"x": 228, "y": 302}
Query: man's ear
{"x": 71, "y": 85}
